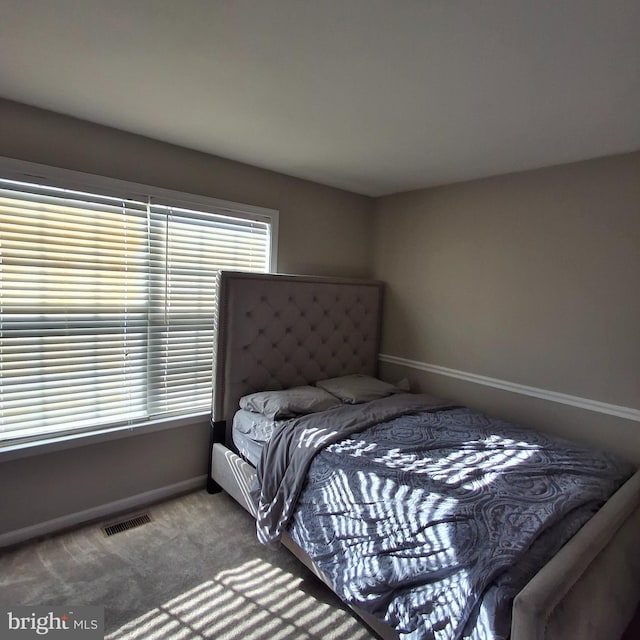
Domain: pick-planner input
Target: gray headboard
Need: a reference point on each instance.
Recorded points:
(279, 331)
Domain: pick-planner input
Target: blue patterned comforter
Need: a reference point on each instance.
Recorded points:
(433, 521)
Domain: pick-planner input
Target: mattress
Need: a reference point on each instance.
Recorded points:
(250, 431)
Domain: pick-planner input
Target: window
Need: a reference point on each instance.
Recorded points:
(107, 305)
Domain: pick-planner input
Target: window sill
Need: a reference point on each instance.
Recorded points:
(15, 451)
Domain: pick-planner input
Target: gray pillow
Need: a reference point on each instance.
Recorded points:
(357, 388)
(289, 402)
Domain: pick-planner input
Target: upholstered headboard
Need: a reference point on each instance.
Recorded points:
(279, 331)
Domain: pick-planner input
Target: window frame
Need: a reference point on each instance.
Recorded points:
(25, 171)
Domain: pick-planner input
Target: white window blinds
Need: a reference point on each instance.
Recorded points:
(107, 306)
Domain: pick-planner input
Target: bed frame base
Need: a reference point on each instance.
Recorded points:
(216, 435)
(590, 589)
(234, 475)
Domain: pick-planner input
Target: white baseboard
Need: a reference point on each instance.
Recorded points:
(101, 511)
(544, 394)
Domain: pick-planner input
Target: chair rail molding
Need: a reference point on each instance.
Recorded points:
(619, 411)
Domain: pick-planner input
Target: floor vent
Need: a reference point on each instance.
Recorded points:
(124, 525)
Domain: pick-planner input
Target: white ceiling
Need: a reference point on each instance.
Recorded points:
(373, 96)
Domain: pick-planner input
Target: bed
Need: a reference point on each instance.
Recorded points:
(277, 332)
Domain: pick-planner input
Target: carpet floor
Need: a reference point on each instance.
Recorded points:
(195, 571)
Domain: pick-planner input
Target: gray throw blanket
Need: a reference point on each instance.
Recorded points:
(285, 459)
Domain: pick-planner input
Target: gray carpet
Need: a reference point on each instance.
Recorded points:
(195, 571)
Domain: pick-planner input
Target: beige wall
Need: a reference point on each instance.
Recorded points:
(81, 482)
(533, 278)
(322, 230)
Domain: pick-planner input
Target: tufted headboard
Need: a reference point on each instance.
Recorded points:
(279, 331)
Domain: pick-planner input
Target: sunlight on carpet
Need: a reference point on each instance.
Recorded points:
(255, 601)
